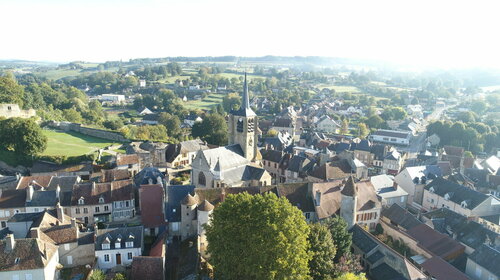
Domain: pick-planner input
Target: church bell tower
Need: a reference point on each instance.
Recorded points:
(242, 126)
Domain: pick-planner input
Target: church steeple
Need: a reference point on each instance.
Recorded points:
(245, 103)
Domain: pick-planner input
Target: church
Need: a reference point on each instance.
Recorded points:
(238, 163)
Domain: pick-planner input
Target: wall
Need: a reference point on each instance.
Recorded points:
(112, 257)
(36, 274)
(410, 242)
(99, 133)
(81, 254)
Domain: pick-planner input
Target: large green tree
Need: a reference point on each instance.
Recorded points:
(23, 136)
(212, 129)
(341, 237)
(322, 251)
(258, 237)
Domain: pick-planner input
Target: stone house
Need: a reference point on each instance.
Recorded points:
(327, 124)
(413, 180)
(29, 258)
(183, 154)
(13, 111)
(11, 203)
(152, 206)
(128, 162)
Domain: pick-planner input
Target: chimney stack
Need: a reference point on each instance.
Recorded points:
(58, 192)
(60, 213)
(35, 232)
(11, 243)
(395, 185)
(29, 194)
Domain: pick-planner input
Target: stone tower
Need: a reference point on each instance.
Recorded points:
(242, 126)
(348, 204)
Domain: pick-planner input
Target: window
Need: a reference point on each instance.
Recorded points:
(106, 258)
(118, 245)
(127, 203)
(101, 199)
(105, 246)
(129, 255)
(4, 225)
(66, 247)
(308, 215)
(81, 201)
(69, 260)
(201, 179)
(106, 208)
(85, 210)
(97, 209)
(129, 244)
(402, 199)
(77, 210)
(36, 209)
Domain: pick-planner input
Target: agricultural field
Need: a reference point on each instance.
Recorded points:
(72, 143)
(205, 104)
(57, 74)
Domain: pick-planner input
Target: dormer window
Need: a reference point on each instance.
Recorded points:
(463, 204)
(17, 260)
(129, 244)
(431, 189)
(101, 199)
(118, 245)
(105, 246)
(81, 201)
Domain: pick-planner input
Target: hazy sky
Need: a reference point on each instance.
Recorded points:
(446, 33)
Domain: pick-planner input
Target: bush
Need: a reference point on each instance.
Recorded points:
(379, 229)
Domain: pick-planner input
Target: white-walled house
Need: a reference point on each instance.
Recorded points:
(413, 180)
(391, 137)
(327, 124)
(118, 246)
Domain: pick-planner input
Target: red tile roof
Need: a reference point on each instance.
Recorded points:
(151, 201)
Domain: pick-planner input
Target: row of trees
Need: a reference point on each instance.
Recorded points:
(266, 237)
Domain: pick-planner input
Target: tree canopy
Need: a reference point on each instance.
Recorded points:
(258, 237)
(212, 129)
(322, 251)
(23, 136)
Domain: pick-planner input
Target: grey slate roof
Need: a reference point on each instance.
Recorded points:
(142, 178)
(361, 239)
(374, 257)
(385, 272)
(457, 193)
(174, 196)
(64, 182)
(125, 233)
(271, 155)
(400, 216)
(43, 198)
(487, 257)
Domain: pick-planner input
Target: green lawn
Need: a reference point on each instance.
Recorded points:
(72, 143)
(341, 89)
(206, 103)
(58, 73)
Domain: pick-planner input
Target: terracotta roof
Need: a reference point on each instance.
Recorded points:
(40, 180)
(440, 269)
(151, 201)
(61, 234)
(350, 188)
(30, 253)
(439, 244)
(331, 170)
(205, 206)
(12, 198)
(122, 190)
(127, 159)
(453, 150)
(91, 192)
(150, 268)
(110, 175)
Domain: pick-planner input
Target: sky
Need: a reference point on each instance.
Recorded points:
(442, 33)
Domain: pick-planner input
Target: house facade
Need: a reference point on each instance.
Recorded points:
(118, 246)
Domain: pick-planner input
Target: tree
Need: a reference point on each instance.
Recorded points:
(212, 129)
(341, 237)
(23, 136)
(344, 128)
(231, 101)
(322, 251)
(97, 274)
(375, 121)
(272, 133)
(113, 124)
(270, 231)
(10, 90)
(348, 263)
(352, 276)
(172, 123)
(119, 276)
(362, 130)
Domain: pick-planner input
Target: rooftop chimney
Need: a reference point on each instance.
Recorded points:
(317, 199)
(58, 192)
(11, 243)
(29, 193)
(60, 213)
(159, 181)
(35, 232)
(395, 185)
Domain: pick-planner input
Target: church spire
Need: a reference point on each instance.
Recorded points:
(245, 102)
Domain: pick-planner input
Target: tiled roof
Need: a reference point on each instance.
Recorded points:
(127, 159)
(297, 194)
(440, 269)
(349, 188)
(151, 201)
(64, 182)
(487, 257)
(397, 215)
(173, 205)
(332, 170)
(362, 240)
(12, 198)
(43, 198)
(457, 193)
(31, 254)
(147, 173)
(40, 180)
(437, 243)
(122, 190)
(109, 175)
(205, 206)
(271, 155)
(91, 192)
(385, 272)
(392, 133)
(150, 268)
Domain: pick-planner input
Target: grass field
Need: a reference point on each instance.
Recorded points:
(72, 143)
(58, 73)
(205, 104)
